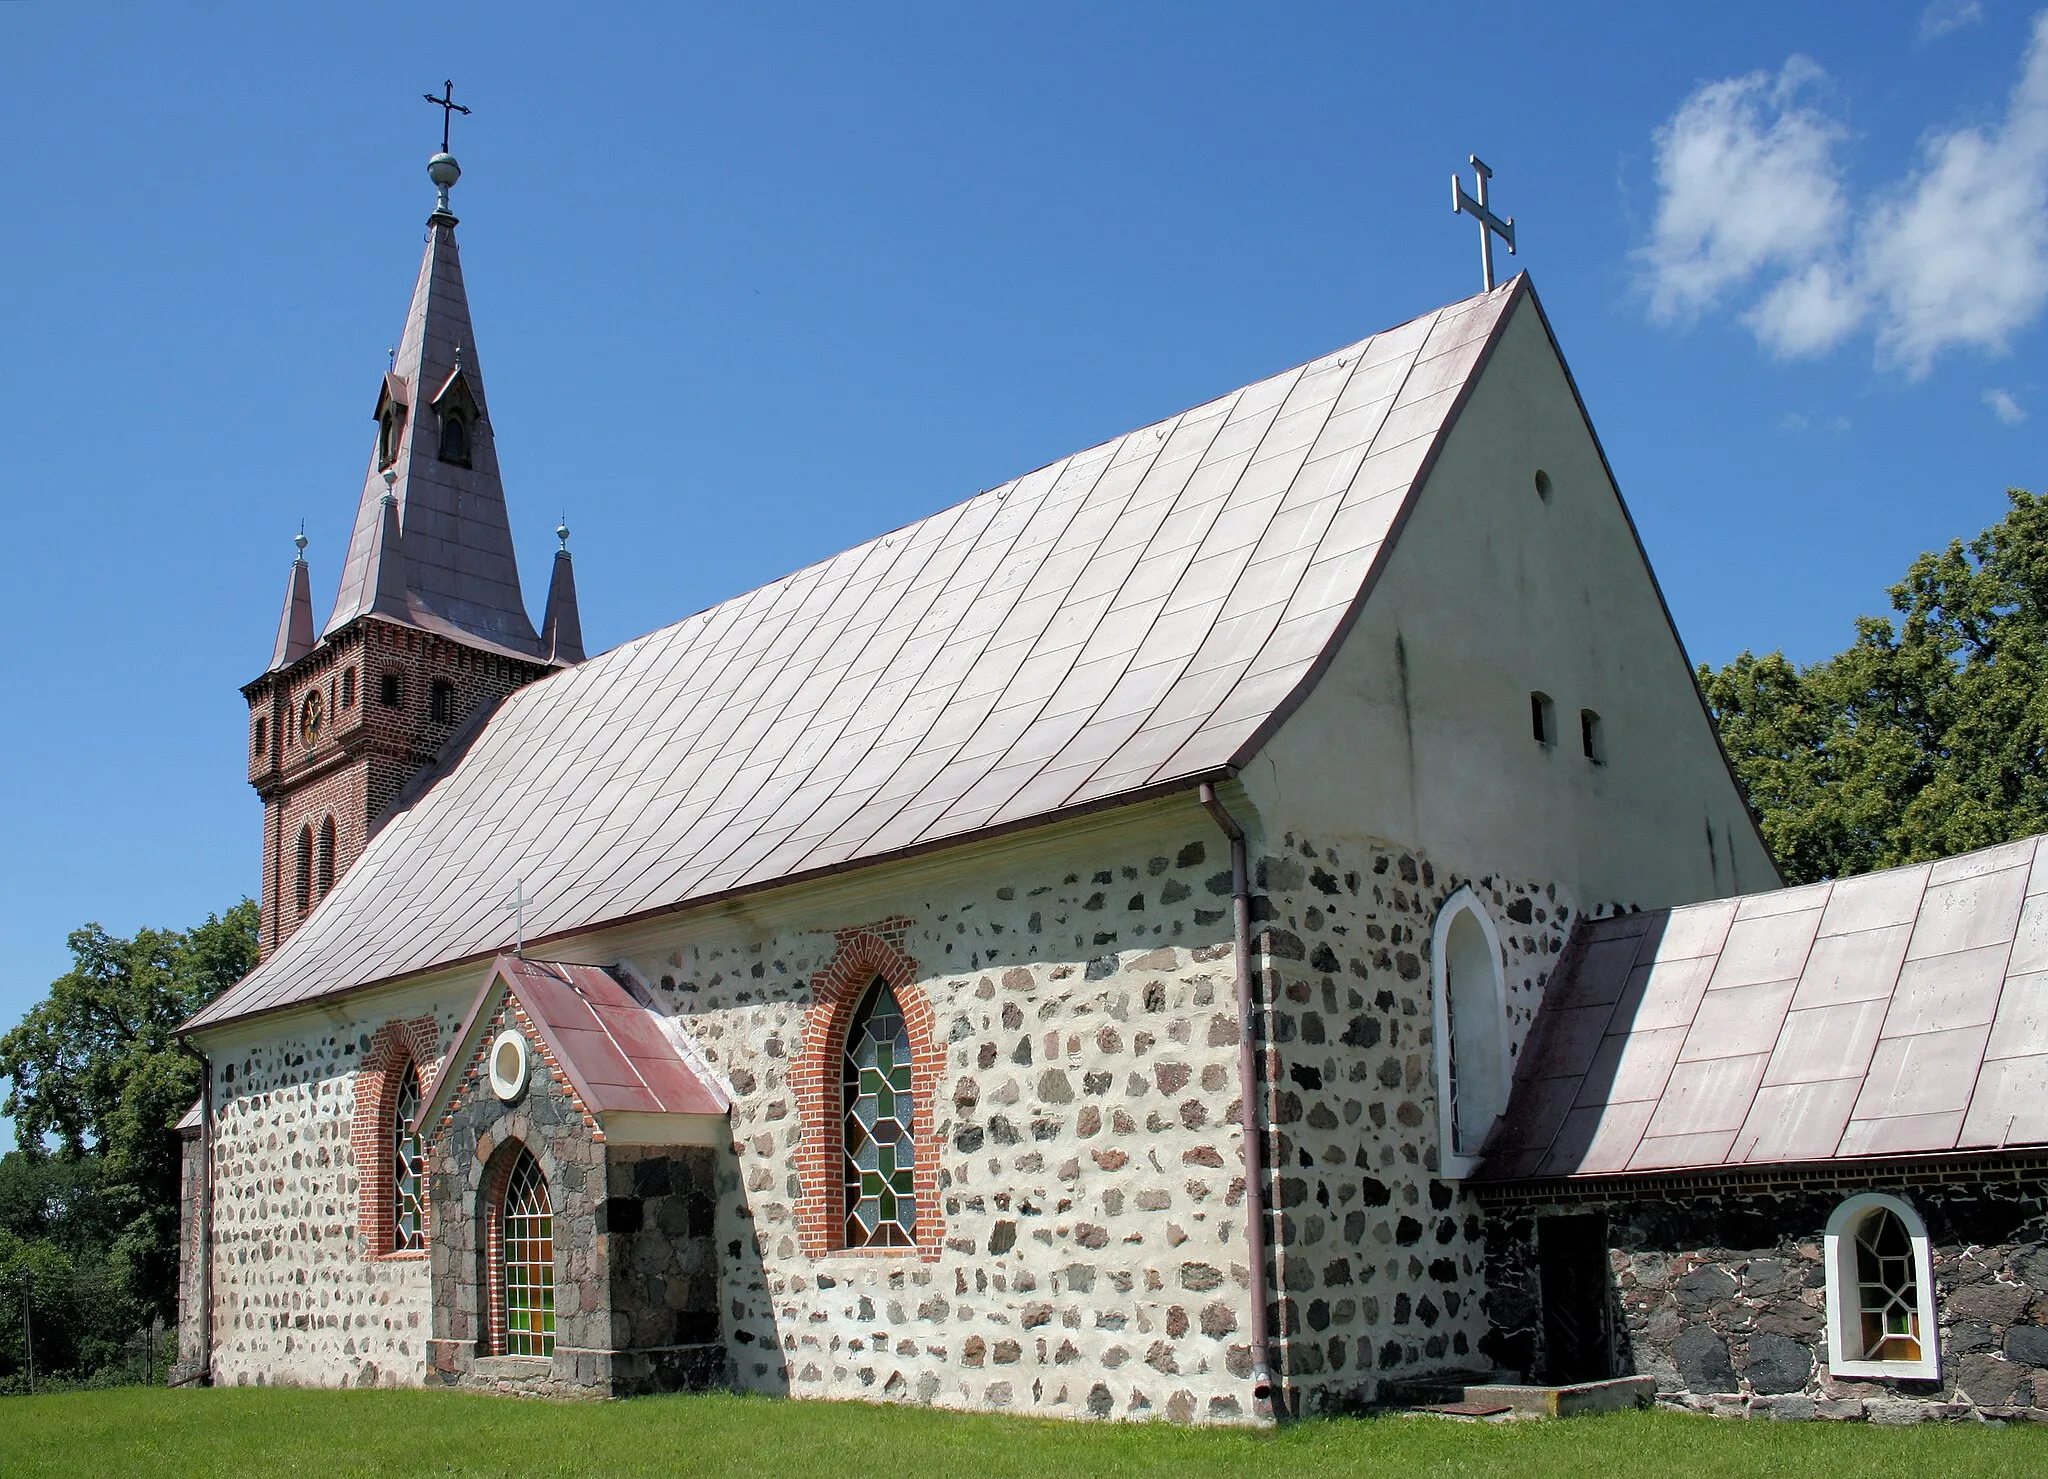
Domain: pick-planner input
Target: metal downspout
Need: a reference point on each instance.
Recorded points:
(206, 1220)
(1248, 1097)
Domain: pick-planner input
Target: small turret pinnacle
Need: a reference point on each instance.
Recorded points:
(561, 631)
(295, 626)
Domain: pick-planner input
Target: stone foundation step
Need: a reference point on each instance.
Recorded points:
(1613, 1395)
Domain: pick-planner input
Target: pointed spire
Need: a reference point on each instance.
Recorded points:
(387, 556)
(458, 575)
(295, 627)
(561, 633)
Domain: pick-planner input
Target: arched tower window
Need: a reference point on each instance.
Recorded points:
(305, 876)
(391, 426)
(1881, 1317)
(1470, 1018)
(408, 1162)
(323, 861)
(881, 1156)
(522, 1247)
(454, 439)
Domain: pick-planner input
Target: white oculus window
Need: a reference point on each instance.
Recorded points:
(1880, 1291)
(508, 1065)
(1469, 1010)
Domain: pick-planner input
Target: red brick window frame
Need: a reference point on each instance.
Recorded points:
(396, 1049)
(863, 955)
(495, 1337)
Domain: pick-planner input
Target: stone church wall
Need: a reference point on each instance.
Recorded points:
(1381, 1269)
(1718, 1289)
(1090, 1177)
(299, 1299)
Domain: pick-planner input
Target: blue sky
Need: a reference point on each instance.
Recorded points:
(753, 284)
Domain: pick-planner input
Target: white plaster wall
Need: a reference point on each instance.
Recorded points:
(1420, 730)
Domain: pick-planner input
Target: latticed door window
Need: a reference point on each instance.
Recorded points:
(1888, 1288)
(527, 1233)
(408, 1224)
(881, 1160)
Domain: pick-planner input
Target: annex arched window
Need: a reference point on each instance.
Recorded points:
(522, 1255)
(1470, 1019)
(408, 1166)
(1881, 1319)
(323, 861)
(305, 869)
(454, 438)
(880, 1110)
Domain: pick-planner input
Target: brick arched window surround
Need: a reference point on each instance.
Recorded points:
(505, 1158)
(397, 1049)
(864, 954)
(304, 879)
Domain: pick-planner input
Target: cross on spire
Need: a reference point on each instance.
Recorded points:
(1490, 225)
(449, 108)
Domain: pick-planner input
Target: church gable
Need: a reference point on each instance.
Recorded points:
(1513, 674)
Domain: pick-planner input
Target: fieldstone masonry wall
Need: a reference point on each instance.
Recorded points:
(1720, 1291)
(1088, 1173)
(1380, 1262)
(300, 1296)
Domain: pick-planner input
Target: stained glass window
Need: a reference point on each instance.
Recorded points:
(527, 1232)
(881, 1160)
(408, 1226)
(1888, 1288)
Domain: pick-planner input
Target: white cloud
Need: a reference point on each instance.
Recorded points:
(2008, 410)
(1748, 179)
(1955, 254)
(1943, 16)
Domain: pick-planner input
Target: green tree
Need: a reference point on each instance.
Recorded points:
(97, 1078)
(1927, 736)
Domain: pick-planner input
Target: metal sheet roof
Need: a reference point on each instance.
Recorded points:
(1903, 1012)
(612, 1049)
(1136, 615)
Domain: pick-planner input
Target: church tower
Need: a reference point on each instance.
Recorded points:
(429, 628)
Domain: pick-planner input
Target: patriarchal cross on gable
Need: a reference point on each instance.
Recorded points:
(1490, 225)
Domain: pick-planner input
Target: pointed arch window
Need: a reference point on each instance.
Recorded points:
(1470, 1021)
(455, 438)
(523, 1281)
(390, 431)
(323, 861)
(408, 1166)
(305, 871)
(880, 1110)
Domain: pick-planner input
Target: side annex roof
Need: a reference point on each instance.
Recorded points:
(1129, 620)
(1891, 1014)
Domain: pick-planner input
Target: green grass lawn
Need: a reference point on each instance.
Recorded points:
(270, 1432)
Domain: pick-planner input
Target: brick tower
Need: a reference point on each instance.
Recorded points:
(429, 628)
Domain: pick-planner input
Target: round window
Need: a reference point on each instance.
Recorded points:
(508, 1065)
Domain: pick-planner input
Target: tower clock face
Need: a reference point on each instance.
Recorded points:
(310, 715)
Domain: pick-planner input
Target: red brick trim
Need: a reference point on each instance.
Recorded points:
(863, 953)
(396, 1048)
(491, 1206)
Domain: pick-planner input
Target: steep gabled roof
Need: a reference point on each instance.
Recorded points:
(1896, 1013)
(1133, 618)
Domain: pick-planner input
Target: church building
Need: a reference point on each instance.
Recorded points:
(1219, 927)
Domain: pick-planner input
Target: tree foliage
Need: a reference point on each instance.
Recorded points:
(97, 1079)
(1927, 736)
